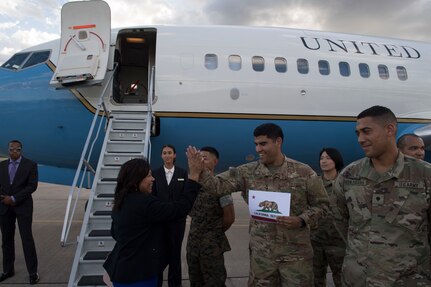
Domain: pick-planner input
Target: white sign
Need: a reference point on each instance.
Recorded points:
(267, 205)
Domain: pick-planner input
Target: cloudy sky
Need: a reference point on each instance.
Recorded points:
(24, 23)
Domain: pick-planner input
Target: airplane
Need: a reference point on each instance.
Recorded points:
(212, 86)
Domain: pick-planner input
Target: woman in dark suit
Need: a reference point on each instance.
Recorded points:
(137, 221)
(169, 186)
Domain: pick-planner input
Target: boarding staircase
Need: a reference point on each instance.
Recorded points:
(127, 136)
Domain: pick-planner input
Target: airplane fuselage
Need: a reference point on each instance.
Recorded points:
(213, 85)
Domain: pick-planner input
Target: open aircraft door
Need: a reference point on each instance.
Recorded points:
(85, 40)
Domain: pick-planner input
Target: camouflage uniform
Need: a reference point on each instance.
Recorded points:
(278, 255)
(328, 241)
(207, 241)
(389, 223)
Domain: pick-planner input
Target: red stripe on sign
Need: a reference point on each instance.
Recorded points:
(84, 26)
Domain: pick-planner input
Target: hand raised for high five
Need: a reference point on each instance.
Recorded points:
(196, 163)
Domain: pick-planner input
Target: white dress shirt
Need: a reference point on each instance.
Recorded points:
(169, 173)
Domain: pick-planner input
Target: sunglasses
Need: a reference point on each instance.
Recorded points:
(15, 149)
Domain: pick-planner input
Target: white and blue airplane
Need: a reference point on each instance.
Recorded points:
(212, 84)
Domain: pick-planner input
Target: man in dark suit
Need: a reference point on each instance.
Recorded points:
(18, 180)
(169, 183)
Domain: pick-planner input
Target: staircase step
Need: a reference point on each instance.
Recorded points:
(105, 195)
(129, 116)
(125, 146)
(106, 187)
(100, 233)
(102, 213)
(124, 135)
(109, 172)
(108, 179)
(96, 255)
(91, 280)
(130, 125)
(102, 204)
(119, 159)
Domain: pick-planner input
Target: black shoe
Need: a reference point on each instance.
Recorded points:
(5, 276)
(34, 278)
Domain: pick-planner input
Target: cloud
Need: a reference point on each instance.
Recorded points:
(8, 25)
(22, 39)
(32, 37)
(395, 18)
(30, 22)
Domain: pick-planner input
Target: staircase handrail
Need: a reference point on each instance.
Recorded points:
(147, 149)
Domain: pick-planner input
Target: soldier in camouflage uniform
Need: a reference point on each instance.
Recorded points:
(211, 215)
(280, 253)
(329, 238)
(386, 197)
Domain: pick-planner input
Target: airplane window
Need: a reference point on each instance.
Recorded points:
(16, 61)
(383, 72)
(302, 66)
(258, 63)
(280, 64)
(37, 58)
(364, 70)
(344, 69)
(235, 62)
(402, 73)
(324, 67)
(211, 61)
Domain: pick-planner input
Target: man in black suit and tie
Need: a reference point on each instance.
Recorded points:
(18, 180)
(169, 182)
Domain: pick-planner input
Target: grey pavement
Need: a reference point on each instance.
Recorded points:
(55, 261)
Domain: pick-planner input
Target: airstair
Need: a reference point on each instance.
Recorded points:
(127, 136)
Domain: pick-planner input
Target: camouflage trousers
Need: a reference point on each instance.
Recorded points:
(325, 254)
(359, 275)
(206, 265)
(267, 272)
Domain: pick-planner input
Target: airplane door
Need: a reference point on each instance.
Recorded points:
(85, 40)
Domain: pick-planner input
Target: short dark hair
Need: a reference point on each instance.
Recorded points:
(378, 112)
(130, 175)
(16, 141)
(335, 155)
(211, 150)
(269, 130)
(401, 143)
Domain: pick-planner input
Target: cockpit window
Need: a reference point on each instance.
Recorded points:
(25, 60)
(16, 61)
(37, 58)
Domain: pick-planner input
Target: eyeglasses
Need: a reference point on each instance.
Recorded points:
(15, 149)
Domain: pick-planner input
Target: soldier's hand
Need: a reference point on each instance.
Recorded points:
(291, 222)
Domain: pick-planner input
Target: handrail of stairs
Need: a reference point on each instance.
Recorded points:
(147, 146)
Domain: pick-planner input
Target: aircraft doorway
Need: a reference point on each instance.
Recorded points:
(135, 55)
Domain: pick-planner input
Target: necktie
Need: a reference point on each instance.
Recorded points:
(12, 171)
(169, 176)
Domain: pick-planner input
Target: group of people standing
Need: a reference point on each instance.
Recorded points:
(370, 222)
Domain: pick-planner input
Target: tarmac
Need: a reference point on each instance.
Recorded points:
(55, 261)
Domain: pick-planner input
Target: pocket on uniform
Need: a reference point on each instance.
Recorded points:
(357, 205)
(410, 209)
(413, 212)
